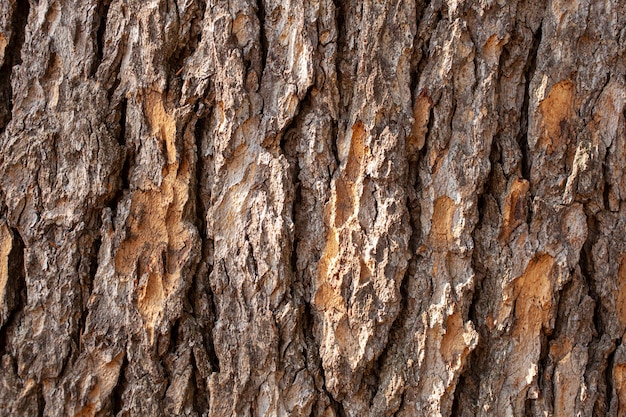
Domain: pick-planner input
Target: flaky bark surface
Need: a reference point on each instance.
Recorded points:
(312, 208)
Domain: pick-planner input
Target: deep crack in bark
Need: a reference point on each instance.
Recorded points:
(529, 72)
(12, 57)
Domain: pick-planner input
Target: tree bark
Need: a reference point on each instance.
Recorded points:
(312, 208)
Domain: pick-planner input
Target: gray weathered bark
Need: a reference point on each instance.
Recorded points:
(312, 208)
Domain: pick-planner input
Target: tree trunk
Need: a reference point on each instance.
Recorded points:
(312, 208)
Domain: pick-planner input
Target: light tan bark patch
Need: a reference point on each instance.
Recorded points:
(6, 244)
(513, 211)
(441, 226)
(556, 111)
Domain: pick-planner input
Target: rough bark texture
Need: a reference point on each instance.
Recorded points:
(312, 208)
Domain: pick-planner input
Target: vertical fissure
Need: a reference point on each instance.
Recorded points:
(201, 194)
(263, 42)
(465, 385)
(121, 137)
(606, 190)
(200, 281)
(123, 177)
(117, 400)
(15, 288)
(41, 402)
(529, 72)
(93, 259)
(587, 271)
(93, 270)
(606, 185)
(297, 202)
(347, 16)
(334, 134)
(199, 390)
(185, 47)
(336, 406)
(544, 369)
(188, 45)
(12, 58)
(100, 24)
(607, 352)
(467, 390)
(209, 344)
(608, 377)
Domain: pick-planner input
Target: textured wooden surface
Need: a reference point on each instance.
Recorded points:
(312, 208)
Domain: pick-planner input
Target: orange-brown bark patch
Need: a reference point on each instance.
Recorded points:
(556, 111)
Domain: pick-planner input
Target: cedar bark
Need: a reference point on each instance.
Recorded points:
(312, 208)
